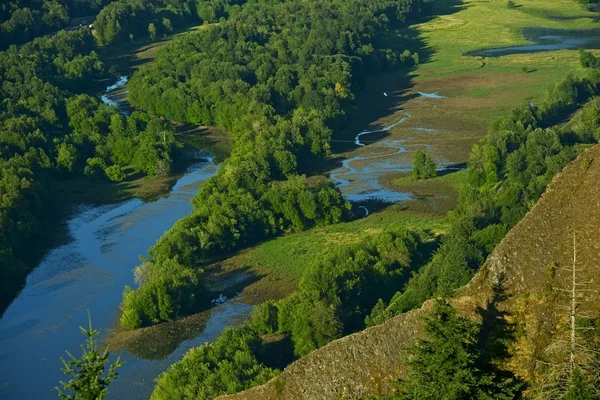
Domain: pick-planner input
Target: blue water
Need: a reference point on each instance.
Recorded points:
(89, 273)
(547, 40)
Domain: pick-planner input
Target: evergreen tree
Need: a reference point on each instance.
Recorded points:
(444, 366)
(580, 388)
(88, 382)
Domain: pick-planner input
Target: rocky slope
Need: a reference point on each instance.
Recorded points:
(516, 294)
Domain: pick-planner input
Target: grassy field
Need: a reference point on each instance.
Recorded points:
(474, 97)
(476, 91)
(279, 263)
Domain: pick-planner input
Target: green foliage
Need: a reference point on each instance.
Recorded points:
(88, 382)
(444, 366)
(228, 365)
(339, 290)
(511, 4)
(580, 388)
(279, 86)
(423, 166)
(114, 173)
(130, 19)
(264, 318)
(162, 298)
(587, 59)
(23, 20)
(152, 31)
(508, 172)
(95, 167)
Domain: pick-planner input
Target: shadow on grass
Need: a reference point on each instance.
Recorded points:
(379, 95)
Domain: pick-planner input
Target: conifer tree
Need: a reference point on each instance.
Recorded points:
(580, 388)
(88, 382)
(443, 367)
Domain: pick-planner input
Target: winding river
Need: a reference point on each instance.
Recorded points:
(89, 273)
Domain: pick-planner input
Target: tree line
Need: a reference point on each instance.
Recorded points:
(279, 76)
(508, 172)
(23, 20)
(134, 19)
(336, 293)
(47, 130)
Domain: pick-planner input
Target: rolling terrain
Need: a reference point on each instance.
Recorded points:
(513, 294)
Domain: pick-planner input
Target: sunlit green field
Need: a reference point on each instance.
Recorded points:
(476, 95)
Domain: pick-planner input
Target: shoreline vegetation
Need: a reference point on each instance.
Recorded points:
(528, 144)
(86, 68)
(277, 91)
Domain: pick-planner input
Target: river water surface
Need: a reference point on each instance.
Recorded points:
(89, 273)
(547, 40)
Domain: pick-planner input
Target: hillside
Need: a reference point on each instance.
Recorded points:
(514, 293)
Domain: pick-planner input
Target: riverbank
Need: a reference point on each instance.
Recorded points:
(470, 92)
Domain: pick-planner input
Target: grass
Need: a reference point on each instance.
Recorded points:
(128, 56)
(288, 256)
(475, 95)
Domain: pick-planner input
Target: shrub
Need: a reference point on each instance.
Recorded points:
(163, 297)
(114, 173)
(587, 60)
(95, 167)
(264, 317)
(228, 365)
(423, 166)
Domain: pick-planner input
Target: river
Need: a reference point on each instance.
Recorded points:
(547, 40)
(89, 273)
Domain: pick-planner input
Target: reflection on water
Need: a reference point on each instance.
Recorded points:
(547, 40)
(90, 273)
(361, 183)
(136, 377)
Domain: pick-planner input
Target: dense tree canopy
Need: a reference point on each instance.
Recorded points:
(23, 20)
(48, 130)
(278, 76)
(508, 172)
(228, 365)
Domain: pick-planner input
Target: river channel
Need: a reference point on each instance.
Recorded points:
(547, 40)
(89, 273)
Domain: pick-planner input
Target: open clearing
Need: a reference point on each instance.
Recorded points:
(471, 91)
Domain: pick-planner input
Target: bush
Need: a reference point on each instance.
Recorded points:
(423, 166)
(229, 365)
(114, 173)
(163, 297)
(511, 4)
(95, 167)
(587, 60)
(264, 318)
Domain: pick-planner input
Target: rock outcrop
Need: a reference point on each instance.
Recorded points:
(515, 290)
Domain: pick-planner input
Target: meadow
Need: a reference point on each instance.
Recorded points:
(474, 96)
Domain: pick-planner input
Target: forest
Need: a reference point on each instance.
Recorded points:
(279, 77)
(267, 76)
(24, 20)
(50, 128)
(354, 287)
